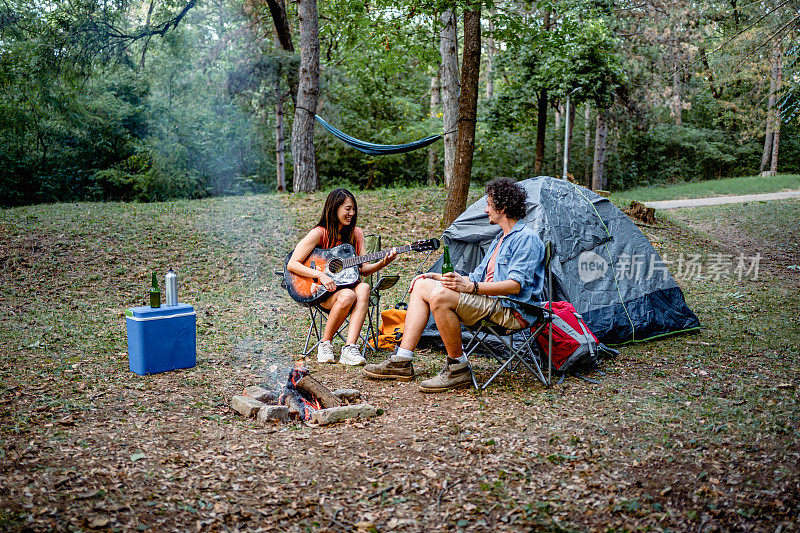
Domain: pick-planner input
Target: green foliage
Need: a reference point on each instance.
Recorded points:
(93, 108)
(666, 152)
(80, 119)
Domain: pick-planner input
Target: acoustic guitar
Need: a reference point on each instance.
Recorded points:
(341, 264)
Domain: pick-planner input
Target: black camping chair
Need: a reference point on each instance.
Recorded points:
(318, 316)
(378, 283)
(517, 346)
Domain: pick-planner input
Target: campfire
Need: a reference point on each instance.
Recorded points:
(301, 398)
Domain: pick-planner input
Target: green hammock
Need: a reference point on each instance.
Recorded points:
(378, 149)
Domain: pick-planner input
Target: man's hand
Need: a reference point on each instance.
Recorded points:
(456, 282)
(451, 280)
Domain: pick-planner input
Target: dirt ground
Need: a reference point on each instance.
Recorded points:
(695, 432)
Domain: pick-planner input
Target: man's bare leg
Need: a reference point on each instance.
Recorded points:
(443, 305)
(417, 313)
(428, 295)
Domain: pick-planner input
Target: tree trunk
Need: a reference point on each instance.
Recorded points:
(715, 92)
(541, 129)
(279, 138)
(598, 175)
(570, 124)
(676, 90)
(450, 91)
(305, 163)
(467, 114)
(587, 145)
(433, 159)
(768, 135)
(147, 40)
(541, 115)
(776, 125)
(283, 36)
(490, 53)
(558, 114)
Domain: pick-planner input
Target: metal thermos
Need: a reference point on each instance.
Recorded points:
(171, 288)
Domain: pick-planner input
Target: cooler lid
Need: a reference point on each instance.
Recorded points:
(159, 312)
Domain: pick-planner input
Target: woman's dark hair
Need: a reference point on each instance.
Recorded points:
(507, 197)
(330, 221)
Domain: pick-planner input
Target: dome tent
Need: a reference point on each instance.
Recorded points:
(602, 263)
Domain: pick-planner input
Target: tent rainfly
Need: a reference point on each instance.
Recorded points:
(602, 264)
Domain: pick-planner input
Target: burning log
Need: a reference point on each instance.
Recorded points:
(311, 388)
(297, 404)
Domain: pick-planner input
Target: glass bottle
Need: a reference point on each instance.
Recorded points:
(447, 266)
(155, 294)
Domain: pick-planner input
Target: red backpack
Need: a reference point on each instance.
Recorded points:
(573, 341)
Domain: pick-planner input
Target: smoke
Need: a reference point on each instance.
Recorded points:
(252, 233)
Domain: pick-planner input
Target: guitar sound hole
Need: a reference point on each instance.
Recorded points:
(335, 266)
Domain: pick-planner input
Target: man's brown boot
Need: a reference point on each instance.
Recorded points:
(399, 370)
(452, 376)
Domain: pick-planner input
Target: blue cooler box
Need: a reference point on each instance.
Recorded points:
(161, 338)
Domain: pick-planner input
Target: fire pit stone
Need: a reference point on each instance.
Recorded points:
(332, 415)
(350, 395)
(273, 413)
(261, 394)
(246, 406)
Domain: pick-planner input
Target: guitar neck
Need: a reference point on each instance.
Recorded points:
(375, 256)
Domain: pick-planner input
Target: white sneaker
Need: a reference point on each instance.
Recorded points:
(325, 352)
(351, 355)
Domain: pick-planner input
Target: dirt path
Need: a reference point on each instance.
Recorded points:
(721, 200)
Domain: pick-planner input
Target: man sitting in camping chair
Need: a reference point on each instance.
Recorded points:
(513, 267)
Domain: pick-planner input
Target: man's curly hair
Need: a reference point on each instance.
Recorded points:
(507, 197)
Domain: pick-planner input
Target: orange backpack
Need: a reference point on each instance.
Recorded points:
(391, 329)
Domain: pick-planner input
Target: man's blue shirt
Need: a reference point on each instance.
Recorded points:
(521, 258)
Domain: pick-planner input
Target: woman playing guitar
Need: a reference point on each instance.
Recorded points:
(337, 225)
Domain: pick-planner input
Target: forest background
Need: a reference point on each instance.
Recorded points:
(155, 99)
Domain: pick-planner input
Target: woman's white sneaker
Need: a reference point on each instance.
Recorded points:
(325, 352)
(352, 356)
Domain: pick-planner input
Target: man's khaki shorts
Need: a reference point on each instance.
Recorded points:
(474, 307)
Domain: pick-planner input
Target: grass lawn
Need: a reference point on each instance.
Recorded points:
(706, 188)
(694, 432)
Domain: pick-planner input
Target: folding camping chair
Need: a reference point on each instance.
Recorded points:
(378, 283)
(513, 353)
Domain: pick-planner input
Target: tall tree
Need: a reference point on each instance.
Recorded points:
(450, 90)
(778, 75)
(587, 143)
(598, 169)
(283, 37)
(769, 159)
(305, 177)
(491, 51)
(283, 40)
(467, 114)
(436, 95)
(541, 112)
